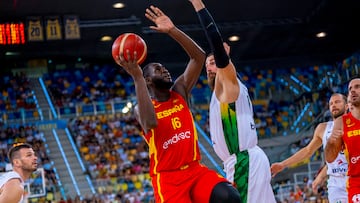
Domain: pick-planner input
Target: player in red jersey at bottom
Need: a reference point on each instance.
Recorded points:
(168, 125)
(346, 136)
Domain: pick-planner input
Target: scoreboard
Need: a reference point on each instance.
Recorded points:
(12, 33)
(40, 29)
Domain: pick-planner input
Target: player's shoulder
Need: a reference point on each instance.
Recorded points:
(322, 125)
(15, 181)
(14, 185)
(320, 128)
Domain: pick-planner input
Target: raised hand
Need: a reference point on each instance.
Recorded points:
(131, 66)
(162, 21)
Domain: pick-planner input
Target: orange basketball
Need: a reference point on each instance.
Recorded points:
(131, 42)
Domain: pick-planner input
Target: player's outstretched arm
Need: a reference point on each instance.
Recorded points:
(303, 153)
(188, 79)
(226, 84)
(144, 105)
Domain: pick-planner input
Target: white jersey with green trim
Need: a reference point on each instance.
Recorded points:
(234, 137)
(232, 124)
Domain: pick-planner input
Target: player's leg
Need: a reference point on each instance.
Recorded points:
(211, 187)
(259, 177)
(224, 192)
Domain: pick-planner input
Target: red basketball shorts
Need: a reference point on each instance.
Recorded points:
(193, 183)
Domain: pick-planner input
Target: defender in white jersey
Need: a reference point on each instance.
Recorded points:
(336, 170)
(232, 126)
(24, 163)
(13, 176)
(234, 137)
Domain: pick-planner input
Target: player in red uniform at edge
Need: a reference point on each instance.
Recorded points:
(163, 112)
(346, 135)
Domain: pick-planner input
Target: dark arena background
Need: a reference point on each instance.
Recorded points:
(62, 92)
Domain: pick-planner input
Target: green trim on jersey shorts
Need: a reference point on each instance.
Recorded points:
(229, 122)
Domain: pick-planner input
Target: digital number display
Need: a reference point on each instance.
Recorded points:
(12, 33)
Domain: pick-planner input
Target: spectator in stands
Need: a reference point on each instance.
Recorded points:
(345, 137)
(232, 126)
(167, 122)
(337, 169)
(294, 148)
(24, 163)
(297, 195)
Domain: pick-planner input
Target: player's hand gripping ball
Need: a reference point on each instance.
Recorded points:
(131, 42)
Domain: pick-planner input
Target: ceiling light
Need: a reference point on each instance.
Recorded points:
(321, 34)
(118, 5)
(10, 53)
(234, 38)
(106, 38)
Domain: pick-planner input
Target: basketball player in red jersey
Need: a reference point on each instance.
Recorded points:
(168, 125)
(346, 135)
